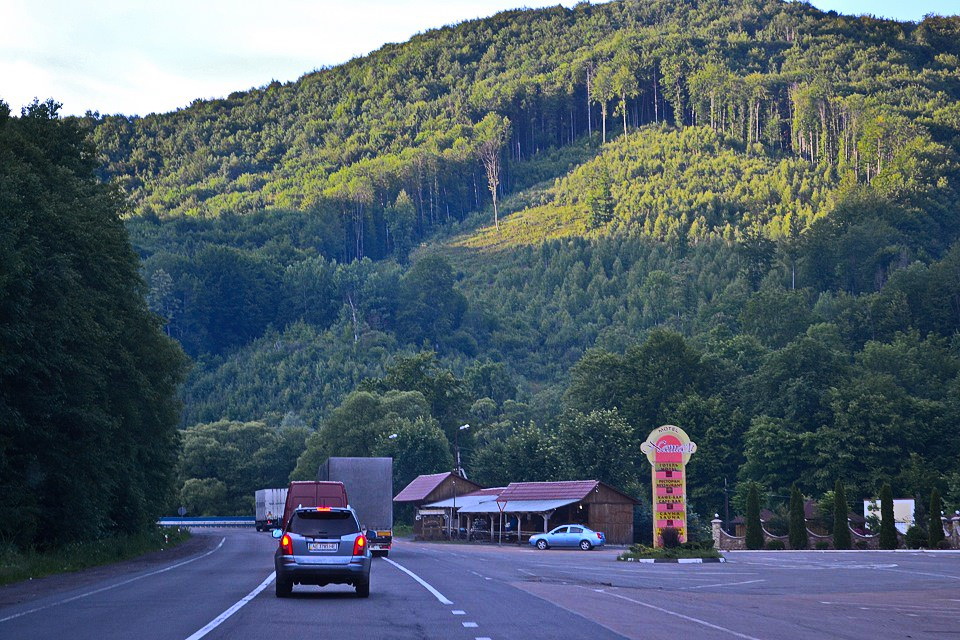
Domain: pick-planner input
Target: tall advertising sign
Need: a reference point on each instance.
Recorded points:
(668, 449)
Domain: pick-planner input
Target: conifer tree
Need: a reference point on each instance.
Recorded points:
(841, 530)
(798, 525)
(888, 529)
(935, 529)
(754, 527)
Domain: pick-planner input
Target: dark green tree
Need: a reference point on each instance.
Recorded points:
(600, 199)
(88, 379)
(888, 526)
(841, 511)
(935, 529)
(754, 526)
(798, 524)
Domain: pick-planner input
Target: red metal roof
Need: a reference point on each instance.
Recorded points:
(567, 490)
(421, 487)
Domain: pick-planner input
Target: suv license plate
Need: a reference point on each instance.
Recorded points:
(322, 546)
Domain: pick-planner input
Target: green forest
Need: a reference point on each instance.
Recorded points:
(563, 227)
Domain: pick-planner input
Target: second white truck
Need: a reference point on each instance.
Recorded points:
(270, 504)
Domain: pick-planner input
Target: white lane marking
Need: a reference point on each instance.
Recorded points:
(459, 612)
(436, 594)
(470, 625)
(483, 638)
(921, 573)
(891, 606)
(114, 586)
(216, 622)
(678, 615)
(722, 584)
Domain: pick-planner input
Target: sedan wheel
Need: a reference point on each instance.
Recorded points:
(363, 589)
(284, 588)
(585, 545)
(541, 544)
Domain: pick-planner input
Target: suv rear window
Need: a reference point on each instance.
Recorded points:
(323, 524)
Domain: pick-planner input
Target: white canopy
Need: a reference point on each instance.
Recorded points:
(517, 506)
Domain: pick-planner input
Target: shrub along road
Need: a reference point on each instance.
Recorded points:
(482, 591)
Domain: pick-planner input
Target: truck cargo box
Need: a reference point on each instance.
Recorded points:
(369, 485)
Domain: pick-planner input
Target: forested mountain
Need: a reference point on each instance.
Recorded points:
(739, 216)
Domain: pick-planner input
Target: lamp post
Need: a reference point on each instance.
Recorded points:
(456, 448)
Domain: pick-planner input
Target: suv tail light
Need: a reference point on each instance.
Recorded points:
(360, 545)
(287, 545)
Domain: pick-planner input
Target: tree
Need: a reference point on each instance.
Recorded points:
(600, 198)
(935, 530)
(754, 526)
(888, 526)
(491, 134)
(841, 511)
(603, 92)
(88, 380)
(597, 445)
(798, 524)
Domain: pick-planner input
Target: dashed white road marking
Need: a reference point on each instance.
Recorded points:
(436, 594)
(114, 586)
(459, 612)
(470, 625)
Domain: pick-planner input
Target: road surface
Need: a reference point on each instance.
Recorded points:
(222, 587)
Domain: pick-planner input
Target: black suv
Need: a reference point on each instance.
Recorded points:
(322, 545)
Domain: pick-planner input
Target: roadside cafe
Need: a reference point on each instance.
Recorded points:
(521, 509)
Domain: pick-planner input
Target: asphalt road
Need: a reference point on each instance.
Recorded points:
(479, 591)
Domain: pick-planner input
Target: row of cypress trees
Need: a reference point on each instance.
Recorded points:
(798, 535)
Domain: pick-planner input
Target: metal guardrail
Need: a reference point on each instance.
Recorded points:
(212, 521)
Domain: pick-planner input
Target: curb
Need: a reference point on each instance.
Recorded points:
(676, 560)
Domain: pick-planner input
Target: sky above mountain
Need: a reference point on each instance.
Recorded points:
(139, 57)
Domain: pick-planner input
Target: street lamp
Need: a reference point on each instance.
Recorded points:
(456, 448)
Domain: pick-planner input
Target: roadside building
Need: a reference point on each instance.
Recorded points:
(430, 522)
(525, 508)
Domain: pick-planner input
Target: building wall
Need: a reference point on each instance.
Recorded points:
(612, 513)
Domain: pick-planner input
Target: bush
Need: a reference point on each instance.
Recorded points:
(821, 545)
(862, 545)
(702, 545)
(916, 538)
(671, 538)
(944, 544)
(776, 545)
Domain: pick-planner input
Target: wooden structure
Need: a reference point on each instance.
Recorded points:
(432, 488)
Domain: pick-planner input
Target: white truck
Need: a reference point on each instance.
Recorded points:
(270, 503)
(369, 485)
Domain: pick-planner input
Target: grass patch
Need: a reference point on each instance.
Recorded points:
(402, 530)
(686, 550)
(17, 565)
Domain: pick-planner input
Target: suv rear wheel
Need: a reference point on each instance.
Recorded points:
(363, 589)
(284, 588)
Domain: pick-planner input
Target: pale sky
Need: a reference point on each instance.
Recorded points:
(145, 56)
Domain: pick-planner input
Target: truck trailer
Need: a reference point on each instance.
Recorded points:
(369, 485)
(308, 493)
(270, 503)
